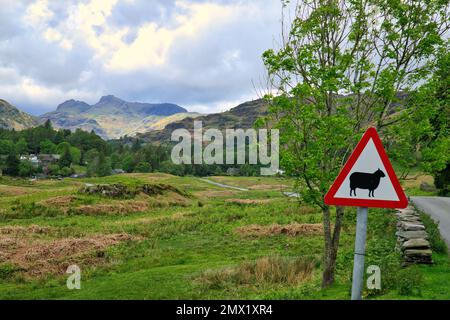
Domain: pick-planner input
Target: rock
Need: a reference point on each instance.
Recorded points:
(411, 219)
(417, 253)
(427, 187)
(411, 226)
(408, 210)
(416, 244)
(412, 234)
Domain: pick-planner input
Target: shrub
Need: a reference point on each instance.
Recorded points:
(7, 271)
(30, 210)
(409, 281)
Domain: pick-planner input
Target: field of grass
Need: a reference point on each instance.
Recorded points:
(204, 242)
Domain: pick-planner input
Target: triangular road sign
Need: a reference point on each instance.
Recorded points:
(367, 179)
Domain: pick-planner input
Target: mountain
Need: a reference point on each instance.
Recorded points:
(112, 117)
(241, 117)
(13, 118)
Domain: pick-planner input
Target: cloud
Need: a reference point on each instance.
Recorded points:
(200, 54)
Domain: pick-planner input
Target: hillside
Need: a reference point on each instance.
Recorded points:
(112, 117)
(241, 117)
(13, 118)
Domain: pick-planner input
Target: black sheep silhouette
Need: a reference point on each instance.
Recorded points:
(364, 180)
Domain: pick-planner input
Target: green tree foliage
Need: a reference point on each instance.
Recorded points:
(66, 158)
(143, 167)
(75, 153)
(26, 168)
(47, 147)
(22, 146)
(128, 163)
(12, 165)
(6, 147)
(341, 67)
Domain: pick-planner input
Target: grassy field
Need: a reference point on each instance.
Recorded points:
(196, 241)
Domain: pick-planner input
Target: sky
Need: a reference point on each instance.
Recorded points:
(204, 55)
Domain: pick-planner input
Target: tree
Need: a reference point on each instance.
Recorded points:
(48, 125)
(75, 153)
(116, 161)
(143, 167)
(26, 168)
(340, 68)
(128, 163)
(104, 166)
(66, 158)
(6, 147)
(47, 147)
(22, 146)
(12, 165)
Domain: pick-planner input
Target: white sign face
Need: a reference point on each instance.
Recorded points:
(368, 178)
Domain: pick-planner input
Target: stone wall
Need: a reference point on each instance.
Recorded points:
(412, 238)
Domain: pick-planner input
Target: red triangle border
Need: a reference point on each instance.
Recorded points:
(330, 199)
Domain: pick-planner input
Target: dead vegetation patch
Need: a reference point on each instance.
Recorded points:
(117, 207)
(293, 229)
(15, 191)
(249, 201)
(38, 258)
(20, 230)
(141, 204)
(59, 201)
(266, 270)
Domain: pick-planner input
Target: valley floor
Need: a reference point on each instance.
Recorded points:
(204, 242)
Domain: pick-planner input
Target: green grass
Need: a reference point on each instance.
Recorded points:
(176, 245)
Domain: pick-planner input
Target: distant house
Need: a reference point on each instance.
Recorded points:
(117, 171)
(47, 159)
(32, 158)
(233, 171)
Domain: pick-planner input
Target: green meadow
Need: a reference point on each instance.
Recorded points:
(195, 241)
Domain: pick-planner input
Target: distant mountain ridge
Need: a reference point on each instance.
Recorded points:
(243, 116)
(13, 118)
(112, 117)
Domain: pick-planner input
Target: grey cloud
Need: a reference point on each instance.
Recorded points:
(197, 71)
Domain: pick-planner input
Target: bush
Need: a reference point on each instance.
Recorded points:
(26, 168)
(30, 210)
(410, 281)
(7, 271)
(65, 172)
(143, 167)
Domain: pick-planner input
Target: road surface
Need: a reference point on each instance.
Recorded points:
(439, 209)
(223, 185)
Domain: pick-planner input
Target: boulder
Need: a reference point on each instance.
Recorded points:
(408, 210)
(411, 226)
(416, 244)
(427, 187)
(417, 253)
(412, 234)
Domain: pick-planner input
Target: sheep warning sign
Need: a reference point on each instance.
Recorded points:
(367, 179)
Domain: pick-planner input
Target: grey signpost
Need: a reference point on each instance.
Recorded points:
(360, 250)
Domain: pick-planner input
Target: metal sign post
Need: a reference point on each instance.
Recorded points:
(360, 250)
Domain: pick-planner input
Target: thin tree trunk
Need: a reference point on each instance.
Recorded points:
(331, 244)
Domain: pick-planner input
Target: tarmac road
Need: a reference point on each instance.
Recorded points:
(439, 209)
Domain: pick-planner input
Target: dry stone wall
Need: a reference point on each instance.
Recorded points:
(412, 238)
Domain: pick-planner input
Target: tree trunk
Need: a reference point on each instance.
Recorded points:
(331, 244)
